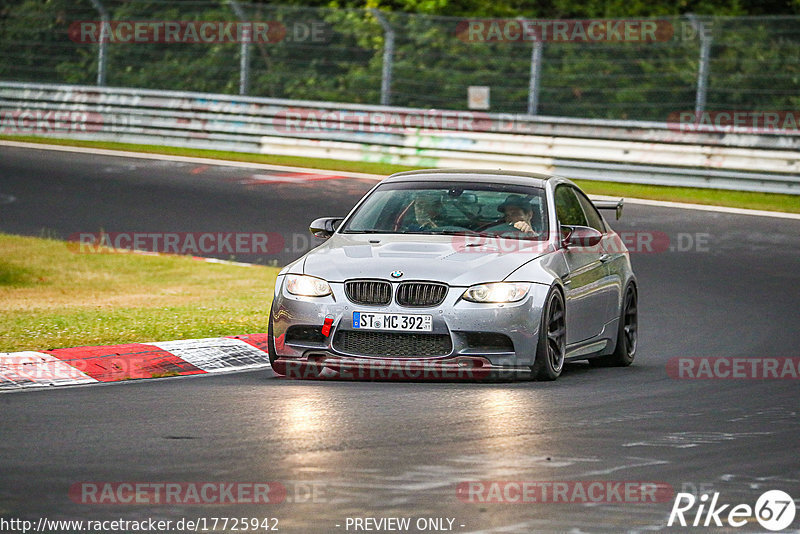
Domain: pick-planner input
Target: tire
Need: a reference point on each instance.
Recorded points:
(552, 346)
(627, 333)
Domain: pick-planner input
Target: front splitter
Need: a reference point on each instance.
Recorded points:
(456, 368)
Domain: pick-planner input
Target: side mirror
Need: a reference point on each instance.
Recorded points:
(580, 236)
(324, 226)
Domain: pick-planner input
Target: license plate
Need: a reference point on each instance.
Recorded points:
(392, 321)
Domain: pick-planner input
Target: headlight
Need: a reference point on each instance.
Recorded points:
(307, 286)
(497, 292)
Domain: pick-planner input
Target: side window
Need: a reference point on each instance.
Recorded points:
(568, 208)
(592, 215)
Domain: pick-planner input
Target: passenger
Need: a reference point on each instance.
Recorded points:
(518, 216)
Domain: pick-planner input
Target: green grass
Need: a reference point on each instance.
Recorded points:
(714, 197)
(693, 195)
(52, 297)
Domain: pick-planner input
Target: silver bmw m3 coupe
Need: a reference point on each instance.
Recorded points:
(458, 274)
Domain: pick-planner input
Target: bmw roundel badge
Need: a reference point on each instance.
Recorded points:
(397, 274)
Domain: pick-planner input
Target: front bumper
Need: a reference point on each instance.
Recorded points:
(462, 321)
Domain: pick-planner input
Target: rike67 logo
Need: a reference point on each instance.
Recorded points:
(774, 510)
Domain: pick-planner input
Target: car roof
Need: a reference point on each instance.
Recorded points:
(473, 175)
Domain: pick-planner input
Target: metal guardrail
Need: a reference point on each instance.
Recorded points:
(621, 151)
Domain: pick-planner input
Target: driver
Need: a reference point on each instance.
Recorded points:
(518, 215)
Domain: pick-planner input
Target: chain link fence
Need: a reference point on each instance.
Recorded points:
(644, 69)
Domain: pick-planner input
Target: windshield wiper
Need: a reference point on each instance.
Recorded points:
(367, 232)
(456, 232)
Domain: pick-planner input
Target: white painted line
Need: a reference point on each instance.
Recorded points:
(376, 177)
(282, 178)
(36, 369)
(645, 462)
(226, 262)
(199, 258)
(216, 354)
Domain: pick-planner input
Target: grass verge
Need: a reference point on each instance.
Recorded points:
(51, 297)
(713, 197)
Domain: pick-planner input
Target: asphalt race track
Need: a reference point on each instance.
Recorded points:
(56, 199)
(728, 287)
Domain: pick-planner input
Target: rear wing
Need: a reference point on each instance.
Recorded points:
(615, 205)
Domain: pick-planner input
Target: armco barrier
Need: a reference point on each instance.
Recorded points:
(621, 151)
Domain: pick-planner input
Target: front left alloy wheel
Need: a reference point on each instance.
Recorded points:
(552, 345)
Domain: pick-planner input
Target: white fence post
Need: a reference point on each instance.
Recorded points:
(105, 24)
(704, 32)
(536, 74)
(388, 57)
(244, 50)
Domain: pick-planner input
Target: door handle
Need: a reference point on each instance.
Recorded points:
(606, 257)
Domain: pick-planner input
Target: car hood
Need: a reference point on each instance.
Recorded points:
(455, 260)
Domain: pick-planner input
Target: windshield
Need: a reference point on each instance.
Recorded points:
(509, 211)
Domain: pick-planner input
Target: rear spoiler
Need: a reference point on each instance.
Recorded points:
(615, 205)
